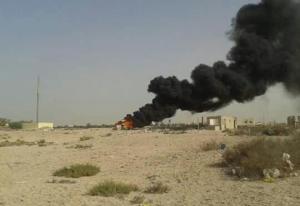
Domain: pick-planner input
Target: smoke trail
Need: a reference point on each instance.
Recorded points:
(266, 51)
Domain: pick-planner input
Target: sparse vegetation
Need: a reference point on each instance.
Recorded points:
(80, 146)
(4, 122)
(77, 170)
(252, 157)
(84, 138)
(43, 143)
(18, 142)
(275, 130)
(15, 125)
(107, 135)
(63, 181)
(174, 131)
(87, 126)
(111, 188)
(4, 136)
(137, 199)
(209, 146)
(157, 188)
(176, 127)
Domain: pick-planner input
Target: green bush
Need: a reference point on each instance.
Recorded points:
(77, 170)
(111, 188)
(15, 125)
(3, 122)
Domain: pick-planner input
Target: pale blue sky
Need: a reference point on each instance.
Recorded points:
(96, 57)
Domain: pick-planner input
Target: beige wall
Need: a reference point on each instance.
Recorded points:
(228, 123)
(48, 125)
(40, 125)
(29, 125)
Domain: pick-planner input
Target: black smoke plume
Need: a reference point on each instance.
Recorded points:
(266, 52)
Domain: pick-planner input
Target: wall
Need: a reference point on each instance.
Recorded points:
(40, 125)
(228, 123)
(29, 125)
(43, 125)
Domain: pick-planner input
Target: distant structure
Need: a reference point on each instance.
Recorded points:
(293, 121)
(248, 122)
(37, 99)
(37, 124)
(220, 123)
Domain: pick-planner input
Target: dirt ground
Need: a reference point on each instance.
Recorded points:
(137, 157)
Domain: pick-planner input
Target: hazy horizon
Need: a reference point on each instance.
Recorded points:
(96, 58)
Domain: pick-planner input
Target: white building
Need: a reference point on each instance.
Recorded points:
(221, 122)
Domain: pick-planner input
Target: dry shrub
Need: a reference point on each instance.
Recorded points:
(77, 170)
(157, 188)
(275, 130)
(262, 153)
(85, 138)
(16, 143)
(80, 146)
(107, 135)
(4, 136)
(209, 146)
(111, 188)
(63, 181)
(43, 143)
(137, 200)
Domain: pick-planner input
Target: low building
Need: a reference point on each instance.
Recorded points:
(221, 122)
(40, 125)
(293, 121)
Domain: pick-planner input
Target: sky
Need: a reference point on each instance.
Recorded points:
(95, 58)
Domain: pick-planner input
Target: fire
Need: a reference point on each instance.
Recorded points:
(126, 123)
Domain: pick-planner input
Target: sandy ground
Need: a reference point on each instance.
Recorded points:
(132, 157)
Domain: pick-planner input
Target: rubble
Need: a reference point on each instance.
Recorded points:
(271, 173)
(288, 165)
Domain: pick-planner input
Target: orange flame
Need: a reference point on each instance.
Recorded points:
(126, 123)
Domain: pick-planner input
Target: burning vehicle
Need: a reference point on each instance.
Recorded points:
(126, 123)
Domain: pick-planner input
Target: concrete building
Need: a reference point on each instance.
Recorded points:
(221, 122)
(248, 122)
(293, 121)
(34, 125)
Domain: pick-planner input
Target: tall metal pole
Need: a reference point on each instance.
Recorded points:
(37, 99)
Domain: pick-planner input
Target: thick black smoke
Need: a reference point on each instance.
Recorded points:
(266, 51)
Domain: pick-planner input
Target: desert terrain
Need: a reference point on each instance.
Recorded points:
(136, 157)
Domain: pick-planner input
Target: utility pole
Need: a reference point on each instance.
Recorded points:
(37, 99)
